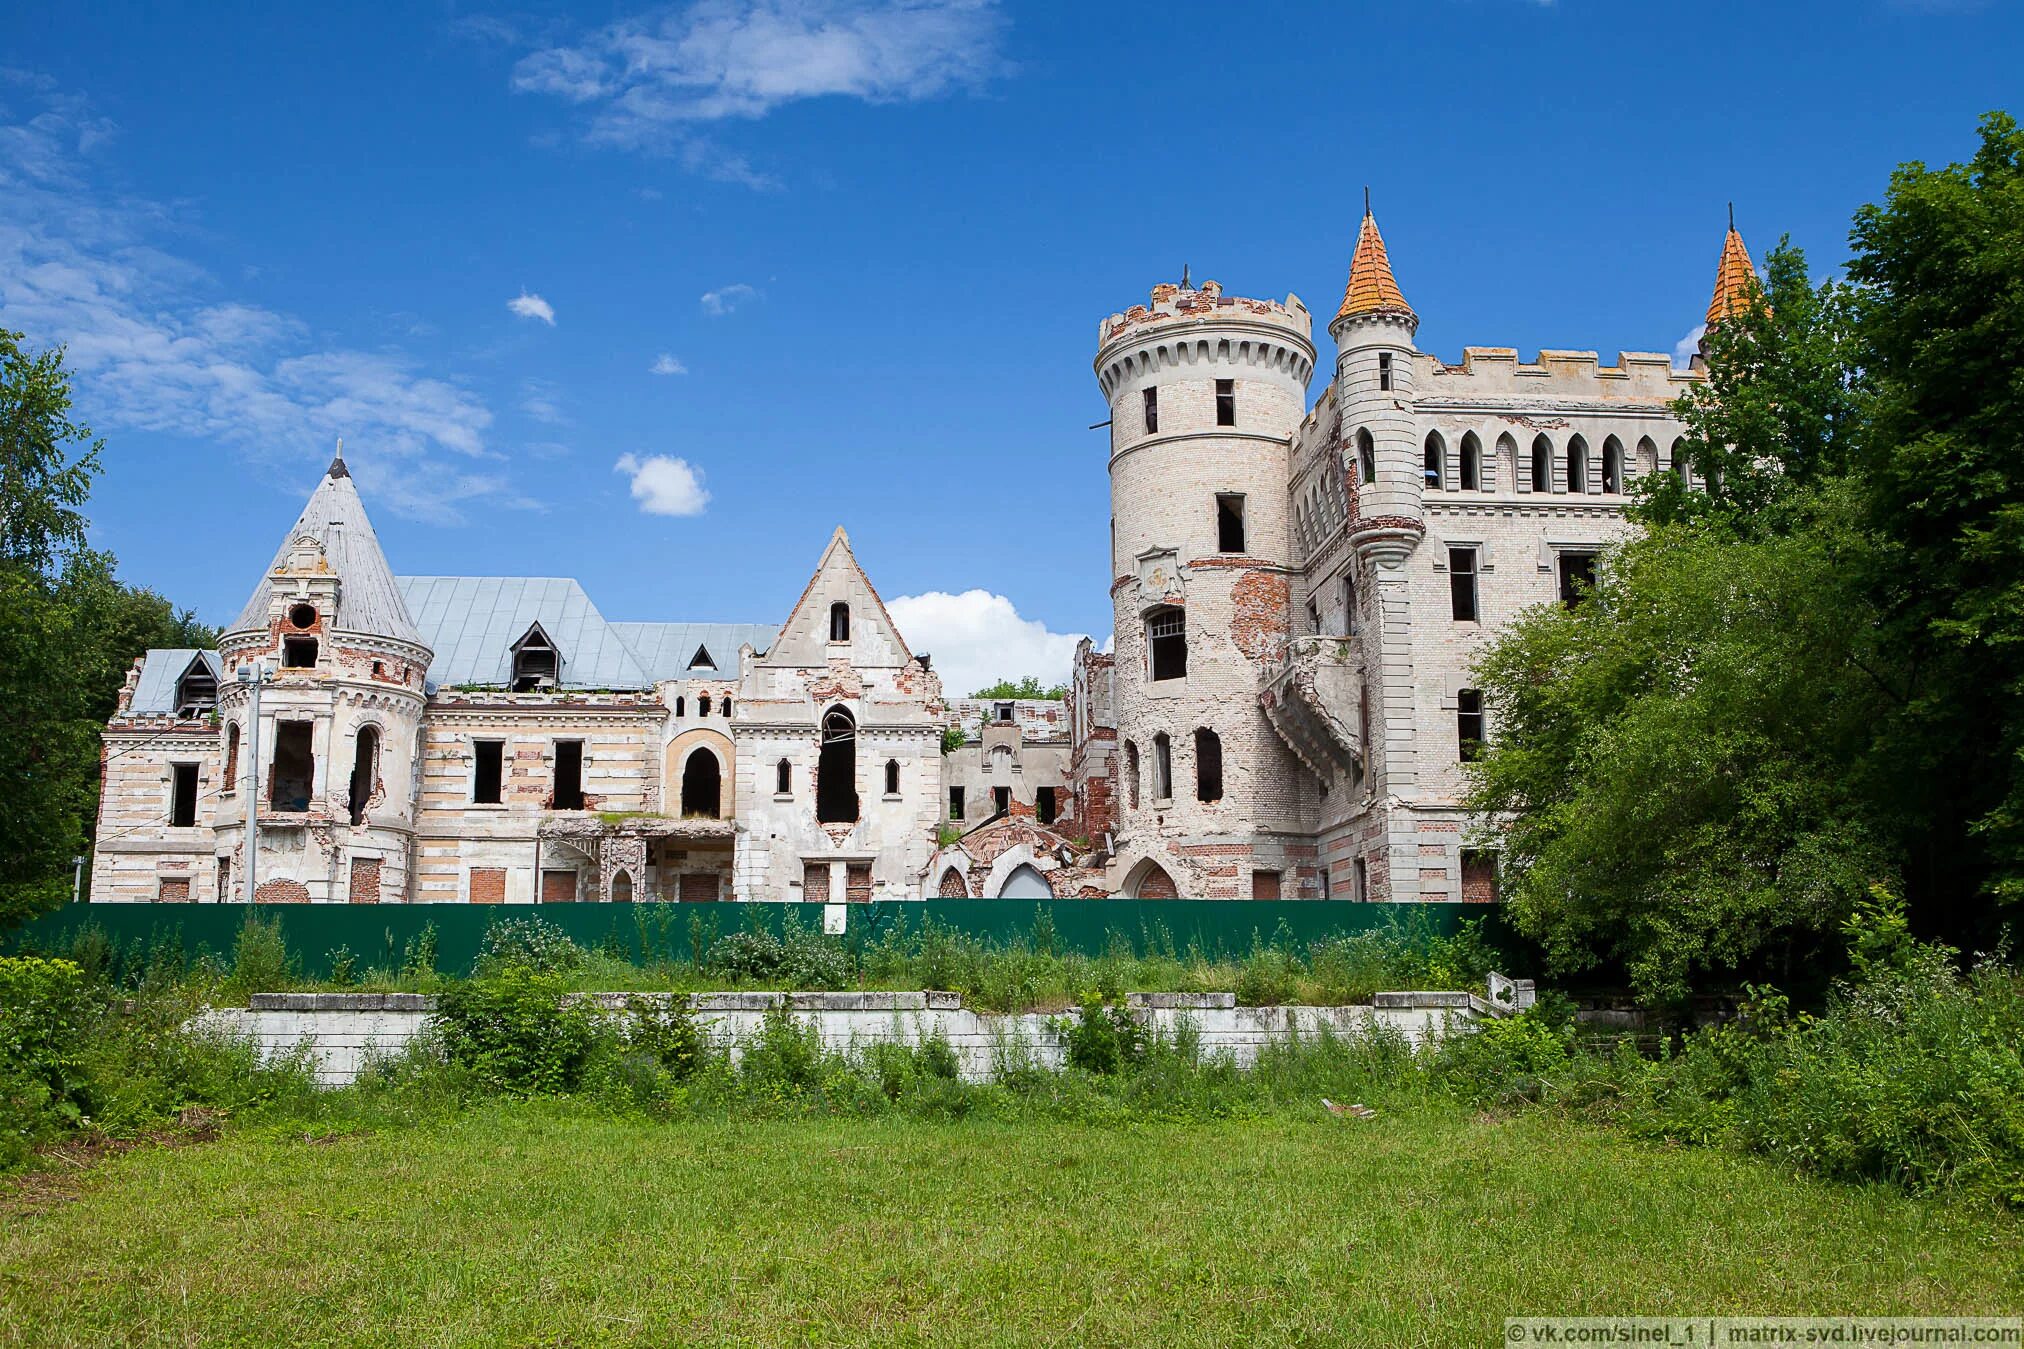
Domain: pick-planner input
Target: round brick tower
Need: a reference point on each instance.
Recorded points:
(1205, 393)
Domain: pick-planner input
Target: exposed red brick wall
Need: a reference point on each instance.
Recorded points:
(281, 892)
(1258, 625)
(815, 882)
(857, 883)
(1264, 885)
(697, 887)
(1156, 884)
(1479, 878)
(488, 885)
(365, 880)
(558, 887)
(175, 890)
(952, 885)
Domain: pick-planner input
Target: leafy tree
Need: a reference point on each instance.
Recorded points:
(1027, 687)
(69, 630)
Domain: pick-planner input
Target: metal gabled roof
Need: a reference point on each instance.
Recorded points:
(665, 650)
(368, 600)
(162, 674)
(472, 622)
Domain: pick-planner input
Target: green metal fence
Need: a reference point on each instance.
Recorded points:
(381, 935)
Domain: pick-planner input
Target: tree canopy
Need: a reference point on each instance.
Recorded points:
(1028, 686)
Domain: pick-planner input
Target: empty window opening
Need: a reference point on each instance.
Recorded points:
(1462, 583)
(1163, 767)
(1384, 371)
(1264, 885)
(703, 706)
(1348, 603)
(1366, 459)
(298, 653)
(1043, 805)
(1001, 801)
(1226, 402)
(1326, 893)
(294, 769)
(302, 616)
(364, 771)
(1612, 465)
(1479, 876)
(1152, 402)
(1208, 765)
(702, 786)
(1313, 617)
(488, 775)
(231, 783)
(892, 777)
(379, 669)
(1004, 712)
(1577, 465)
(955, 803)
(839, 622)
(182, 795)
(197, 693)
(783, 778)
(724, 707)
(1167, 643)
(622, 888)
(1131, 769)
(836, 769)
(681, 707)
(1229, 522)
(1472, 463)
(1577, 577)
(535, 662)
(1682, 464)
(1431, 461)
(1360, 877)
(569, 775)
(702, 660)
(1542, 464)
(1469, 724)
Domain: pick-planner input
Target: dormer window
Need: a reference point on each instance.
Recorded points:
(702, 660)
(197, 691)
(1005, 712)
(536, 662)
(839, 622)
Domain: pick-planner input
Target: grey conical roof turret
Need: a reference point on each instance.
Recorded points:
(368, 600)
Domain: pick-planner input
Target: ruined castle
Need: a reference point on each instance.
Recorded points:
(1299, 593)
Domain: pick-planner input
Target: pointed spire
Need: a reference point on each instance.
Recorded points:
(369, 599)
(337, 468)
(1734, 276)
(1371, 289)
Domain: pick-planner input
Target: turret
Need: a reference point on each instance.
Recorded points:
(1373, 332)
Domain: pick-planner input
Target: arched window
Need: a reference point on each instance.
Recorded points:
(1577, 465)
(232, 757)
(1432, 459)
(702, 785)
(724, 708)
(836, 769)
(1647, 457)
(783, 778)
(1366, 459)
(1163, 767)
(1612, 466)
(1131, 774)
(839, 622)
(681, 706)
(1151, 881)
(621, 888)
(1681, 465)
(1472, 463)
(892, 777)
(364, 771)
(703, 706)
(1208, 765)
(1025, 882)
(1542, 464)
(1507, 454)
(952, 886)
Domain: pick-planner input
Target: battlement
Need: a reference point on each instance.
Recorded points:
(1171, 304)
(1488, 372)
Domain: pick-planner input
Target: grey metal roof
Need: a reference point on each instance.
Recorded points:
(368, 600)
(162, 673)
(472, 622)
(664, 650)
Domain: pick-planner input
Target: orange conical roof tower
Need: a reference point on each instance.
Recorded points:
(1371, 289)
(1734, 277)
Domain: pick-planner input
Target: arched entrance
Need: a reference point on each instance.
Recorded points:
(952, 886)
(836, 770)
(1149, 880)
(1025, 883)
(702, 785)
(621, 888)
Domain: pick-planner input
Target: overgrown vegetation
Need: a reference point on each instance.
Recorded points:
(1026, 686)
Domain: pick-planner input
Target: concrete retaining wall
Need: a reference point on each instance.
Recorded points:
(342, 1031)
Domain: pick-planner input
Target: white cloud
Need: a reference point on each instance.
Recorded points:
(723, 300)
(153, 347)
(1687, 347)
(648, 81)
(532, 307)
(978, 638)
(665, 364)
(542, 401)
(664, 485)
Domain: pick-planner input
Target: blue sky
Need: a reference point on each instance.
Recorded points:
(865, 244)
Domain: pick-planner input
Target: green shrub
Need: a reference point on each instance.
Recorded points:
(1100, 1039)
(1268, 977)
(668, 1034)
(751, 956)
(260, 960)
(46, 1015)
(530, 942)
(343, 966)
(784, 1057)
(418, 958)
(1506, 1061)
(515, 1031)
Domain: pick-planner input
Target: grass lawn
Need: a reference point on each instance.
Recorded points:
(540, 1223)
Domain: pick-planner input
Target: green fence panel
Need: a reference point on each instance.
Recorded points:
(380, 936)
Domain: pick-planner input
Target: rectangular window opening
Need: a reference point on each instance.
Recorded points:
(1469, 724)
(1229, 522)
(1360, 874)
(1264, 885)
(1152, 397)
(182, 795)
(569, 775)
(490, 774)
(1226, 402)
(1384, 370)
(1167, 644)
(1001, 800)
(955, 803)
(293, 771)
(1462, 583)
(298, 653)
(1043, 805)
(1577, 577)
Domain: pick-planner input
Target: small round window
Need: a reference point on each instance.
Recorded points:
(302, 616)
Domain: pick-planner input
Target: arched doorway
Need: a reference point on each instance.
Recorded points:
(1025, 883)
(702, 785)
(1149, 880)
(621, 888)
(952, 886)
(364, 770)
(836, 770)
